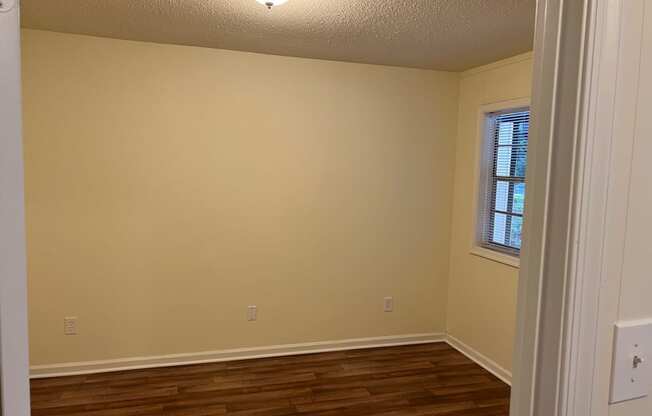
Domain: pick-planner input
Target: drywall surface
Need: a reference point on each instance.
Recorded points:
(169, 187)
(482, 292)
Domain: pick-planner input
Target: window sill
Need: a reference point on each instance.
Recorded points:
(496, 256)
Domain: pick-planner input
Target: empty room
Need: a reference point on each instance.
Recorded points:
(274, 208)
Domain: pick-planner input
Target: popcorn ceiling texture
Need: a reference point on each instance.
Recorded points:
(448, 35)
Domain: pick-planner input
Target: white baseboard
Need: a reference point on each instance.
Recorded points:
(138, 363)
(135, 363)
(480, 359)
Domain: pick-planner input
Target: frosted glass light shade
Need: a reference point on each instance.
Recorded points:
(271, 3)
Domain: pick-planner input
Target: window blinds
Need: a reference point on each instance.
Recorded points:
(505, 191)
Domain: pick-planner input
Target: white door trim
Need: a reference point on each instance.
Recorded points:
(576, 71)
(13, 281)
(591, 230)
(620, 77)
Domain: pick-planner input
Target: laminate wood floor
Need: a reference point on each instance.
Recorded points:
(419, 380)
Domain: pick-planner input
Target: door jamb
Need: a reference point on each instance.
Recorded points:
(13, 276)
(575, 74)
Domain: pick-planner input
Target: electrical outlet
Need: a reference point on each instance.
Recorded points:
(70, 325)
(252, 313)
(388, 304)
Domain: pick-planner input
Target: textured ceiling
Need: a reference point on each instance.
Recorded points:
(437, 34)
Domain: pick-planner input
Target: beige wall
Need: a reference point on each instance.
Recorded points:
(482, 292)
(169, 187)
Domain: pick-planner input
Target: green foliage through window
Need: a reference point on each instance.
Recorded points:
(506, 196)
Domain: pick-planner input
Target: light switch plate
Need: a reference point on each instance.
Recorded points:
(631, 376)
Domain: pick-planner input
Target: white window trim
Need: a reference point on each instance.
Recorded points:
(481, 179)
(495, 255)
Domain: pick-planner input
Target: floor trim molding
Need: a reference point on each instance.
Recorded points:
(136, 363)
(480, 359)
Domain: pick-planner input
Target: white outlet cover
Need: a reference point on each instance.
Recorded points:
(632, 380)
(252, 313)
(70, 325)
(388, 304)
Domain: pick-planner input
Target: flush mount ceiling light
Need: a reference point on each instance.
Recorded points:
(271, 3)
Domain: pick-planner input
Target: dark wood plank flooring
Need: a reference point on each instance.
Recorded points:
(419, 380)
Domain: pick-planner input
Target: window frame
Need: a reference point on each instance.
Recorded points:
(484, 177)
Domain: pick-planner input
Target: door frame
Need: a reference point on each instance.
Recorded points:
(13, 276)
(560, 337)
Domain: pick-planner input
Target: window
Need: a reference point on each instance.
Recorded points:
(503, 194)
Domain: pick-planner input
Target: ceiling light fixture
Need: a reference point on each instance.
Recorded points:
(271, 3)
